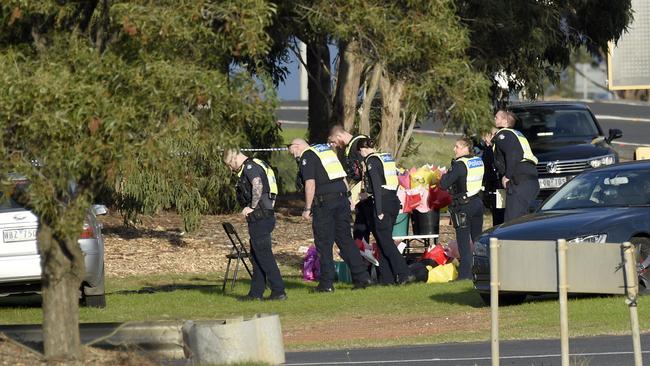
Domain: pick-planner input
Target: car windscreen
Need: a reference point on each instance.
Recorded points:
(603, 189)
(8, 203)
(542, 123)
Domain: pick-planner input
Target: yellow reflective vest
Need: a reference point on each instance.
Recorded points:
(390, 170)
(270, 176)
(330, 161)
(474, 179)
(355, 138)
(525, 146)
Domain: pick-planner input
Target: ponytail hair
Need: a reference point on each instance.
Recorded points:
(366, 143)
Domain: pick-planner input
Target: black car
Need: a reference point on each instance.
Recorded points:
(609, 204)
(566, 139)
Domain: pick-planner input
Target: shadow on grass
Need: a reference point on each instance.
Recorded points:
(173, 236)
(291, 283)
(22, 301)
(467, 297)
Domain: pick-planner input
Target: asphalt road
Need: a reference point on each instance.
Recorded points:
(593, 351)
(633, 118)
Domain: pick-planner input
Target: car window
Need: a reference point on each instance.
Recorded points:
(603, 189)
(8, 204)
(546, 123)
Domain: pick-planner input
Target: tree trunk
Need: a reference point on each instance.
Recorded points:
(404, 138)
(319, 88)
(391, 94)
(63, 269)
(347, 85)
(364, 121)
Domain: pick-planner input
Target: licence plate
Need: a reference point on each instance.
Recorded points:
(13, 235)
(546, 183)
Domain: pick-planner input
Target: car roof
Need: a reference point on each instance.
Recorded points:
(548, 105)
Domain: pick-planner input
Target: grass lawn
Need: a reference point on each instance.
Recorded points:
(378, 316)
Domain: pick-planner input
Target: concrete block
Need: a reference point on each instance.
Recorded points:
(258, 339)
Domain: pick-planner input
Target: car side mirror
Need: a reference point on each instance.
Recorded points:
(100, 210)
(614, 133)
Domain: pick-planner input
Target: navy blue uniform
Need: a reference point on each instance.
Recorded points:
(491, 182)
(392, 265)
(331, 223)
(260, 226)
(471, 208)
(523, 186)
(353, 164)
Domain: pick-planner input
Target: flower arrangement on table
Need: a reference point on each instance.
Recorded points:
(418, 189)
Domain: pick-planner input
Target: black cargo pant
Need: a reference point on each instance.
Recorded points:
(363, 213)
(519, 197)
(265, 267)
(331, 223)
(468, 232)
(392, 264)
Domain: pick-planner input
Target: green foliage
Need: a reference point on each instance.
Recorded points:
(528, 41)
(136, 103)
(420, 42)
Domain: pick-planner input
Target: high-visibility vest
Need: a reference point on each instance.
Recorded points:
(330, 161)
(271, 182)
(525, 146)
(474, 179)
(390, 170)
(355, 138)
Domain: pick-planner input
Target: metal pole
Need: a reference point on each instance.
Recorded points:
(494, 298)
(304, 94)
(563, 290)
(632, 291)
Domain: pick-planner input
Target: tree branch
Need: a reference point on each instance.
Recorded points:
(364, 123)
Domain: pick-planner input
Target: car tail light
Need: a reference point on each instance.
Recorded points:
(88, 232)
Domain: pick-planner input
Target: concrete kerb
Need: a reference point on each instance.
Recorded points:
(258, 339)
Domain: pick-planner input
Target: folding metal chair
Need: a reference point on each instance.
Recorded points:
(238, 253)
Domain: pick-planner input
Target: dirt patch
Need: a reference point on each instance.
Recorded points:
(361, 328)
(168, 249)
(15, 354)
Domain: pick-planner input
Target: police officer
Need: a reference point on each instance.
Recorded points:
(380, 180)
(515, 163)
(353, 165)
(491, 181)
(464, 182)
(256, 191)
(326, 200)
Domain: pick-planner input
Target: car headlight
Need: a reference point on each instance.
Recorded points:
(602, 160)
(595, 238)
(480, 249)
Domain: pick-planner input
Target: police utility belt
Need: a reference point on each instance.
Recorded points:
(259, 214)
(321, 199)
(463, 199)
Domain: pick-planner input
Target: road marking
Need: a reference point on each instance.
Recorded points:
(460, 359)
(294, 108)
(617, 118)
(282, 121)
(628, 143)
(429, 132)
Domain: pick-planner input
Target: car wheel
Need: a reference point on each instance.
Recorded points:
(504, 299)
(642, 245)
(95, 301)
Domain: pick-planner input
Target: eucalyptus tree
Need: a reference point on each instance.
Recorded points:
(132, 97)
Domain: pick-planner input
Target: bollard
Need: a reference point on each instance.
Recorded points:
(494, 298)
(631, 292)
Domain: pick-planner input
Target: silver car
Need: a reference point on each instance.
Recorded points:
(20, 263)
